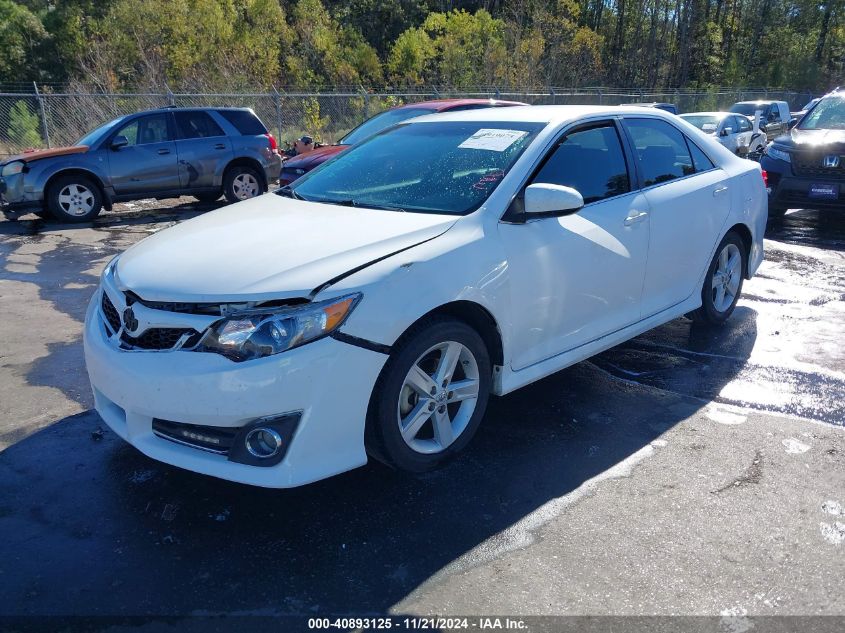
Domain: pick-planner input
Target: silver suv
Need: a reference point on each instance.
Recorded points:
(202, 152)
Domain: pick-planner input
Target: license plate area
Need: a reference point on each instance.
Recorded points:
(823, 191)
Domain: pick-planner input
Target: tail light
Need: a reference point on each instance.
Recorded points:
(765, 176)
(273, 144)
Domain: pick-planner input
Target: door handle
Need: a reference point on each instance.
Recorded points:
(720, 190)
(220, 146)
(635, 216)
(163, 151)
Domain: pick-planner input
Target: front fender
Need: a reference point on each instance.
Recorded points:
(95, 163)
(463, 264)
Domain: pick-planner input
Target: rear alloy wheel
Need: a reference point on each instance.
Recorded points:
(723, 282)
(74, 199)
(430, 397)
(242, 183)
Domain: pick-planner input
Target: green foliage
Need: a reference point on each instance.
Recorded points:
(21, 35)
(24, 126)
(311, 119)
(215, 45)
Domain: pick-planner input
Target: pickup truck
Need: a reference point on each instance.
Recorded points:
(775, 119)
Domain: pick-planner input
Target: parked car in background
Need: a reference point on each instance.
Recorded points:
(298, 166)
(806, 166)
(775, 118)
(807, 107)
(165, 153)
(734, 131)
(668, 107)
(372, 307)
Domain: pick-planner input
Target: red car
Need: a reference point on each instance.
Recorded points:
(295, 167)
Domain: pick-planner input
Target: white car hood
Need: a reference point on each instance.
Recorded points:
(269, 247)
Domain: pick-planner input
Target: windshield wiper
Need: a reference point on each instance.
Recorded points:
(351, 202)
(288, 192)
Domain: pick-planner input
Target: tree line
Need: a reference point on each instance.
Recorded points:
(218, 45)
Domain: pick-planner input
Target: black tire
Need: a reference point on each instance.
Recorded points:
(232, 178)
(709, 312)
(384, 439)
(206, 197)
(67, 195)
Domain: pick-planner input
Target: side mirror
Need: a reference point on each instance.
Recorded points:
(727, 131)
(119, 141)
(792, 123)
(546, 200)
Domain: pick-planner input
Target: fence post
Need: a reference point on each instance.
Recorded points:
(601, 97)
(277, 101)
(171, 99)
(44, 125)
(366, 96)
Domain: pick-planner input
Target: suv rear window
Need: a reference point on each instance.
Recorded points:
(245, 121)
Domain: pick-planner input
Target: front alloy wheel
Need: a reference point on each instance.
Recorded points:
(74, 199)
(438, 397)
(430, 396)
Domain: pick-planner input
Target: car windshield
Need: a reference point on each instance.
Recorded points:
(94, 135)
(439, 167)
(828, 114)
(747, 109)
(381, 122)
(704, 122)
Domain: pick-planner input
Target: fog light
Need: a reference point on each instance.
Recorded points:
(263, 443)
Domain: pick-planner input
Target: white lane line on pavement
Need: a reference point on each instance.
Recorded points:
(721, 414)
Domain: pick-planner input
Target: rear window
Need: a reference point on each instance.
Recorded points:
(244, 121)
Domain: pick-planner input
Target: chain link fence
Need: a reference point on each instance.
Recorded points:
(41, 119)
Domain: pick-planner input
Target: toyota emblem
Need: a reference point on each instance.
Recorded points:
(129, 320)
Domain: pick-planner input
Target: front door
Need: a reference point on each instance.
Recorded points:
(148, 163)
(689, 198)
(578, 277)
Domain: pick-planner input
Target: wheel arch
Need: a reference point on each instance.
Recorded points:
(246, 161)
(477, 317)
(747, 240)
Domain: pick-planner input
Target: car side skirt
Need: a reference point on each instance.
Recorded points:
(507, 381)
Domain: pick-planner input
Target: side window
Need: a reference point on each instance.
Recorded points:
(661, 150)
(245, 121)
(590, 161)
(196, 124)
(146, 129)
(744, 124)
(699, 158)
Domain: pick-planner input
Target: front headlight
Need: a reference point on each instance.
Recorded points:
(257, 333)
(13, 168)
(779, 154)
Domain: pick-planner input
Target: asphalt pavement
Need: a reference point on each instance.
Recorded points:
(693, 470)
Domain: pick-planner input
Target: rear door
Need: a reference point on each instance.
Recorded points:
(689, 198)
(203, 148)
(148, 162)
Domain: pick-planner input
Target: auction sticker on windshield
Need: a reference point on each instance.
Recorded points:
(492, 139)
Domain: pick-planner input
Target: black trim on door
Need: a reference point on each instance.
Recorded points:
(514, 213)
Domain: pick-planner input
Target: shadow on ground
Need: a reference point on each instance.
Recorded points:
(91, 526)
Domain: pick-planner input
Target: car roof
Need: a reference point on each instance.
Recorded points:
(441, 105)
(542, 113)
(759, 101)
(714, 114)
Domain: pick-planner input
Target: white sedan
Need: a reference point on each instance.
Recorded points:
(373, 307)
(734, 131)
